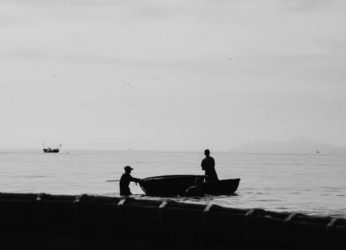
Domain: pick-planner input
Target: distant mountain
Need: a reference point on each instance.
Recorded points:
(297, 146)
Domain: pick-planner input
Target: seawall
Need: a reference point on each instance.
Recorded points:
(42, 221)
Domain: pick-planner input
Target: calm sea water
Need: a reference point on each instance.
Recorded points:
(312, 184)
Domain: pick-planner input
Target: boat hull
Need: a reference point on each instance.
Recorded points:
(187, 185)
(222, 187)
(45, 150)
(169, 185)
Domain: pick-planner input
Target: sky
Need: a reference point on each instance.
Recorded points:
(171, 75)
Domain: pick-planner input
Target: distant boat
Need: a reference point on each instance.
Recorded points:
(51, 150)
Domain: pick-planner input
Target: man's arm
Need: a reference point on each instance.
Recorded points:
(134, 179)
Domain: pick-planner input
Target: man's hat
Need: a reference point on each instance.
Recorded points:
(128, 168)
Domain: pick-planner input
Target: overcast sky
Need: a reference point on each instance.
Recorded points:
(170, 75)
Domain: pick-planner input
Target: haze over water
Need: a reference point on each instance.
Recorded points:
(310, 183)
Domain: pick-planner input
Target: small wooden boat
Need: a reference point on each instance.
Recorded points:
(186, 185)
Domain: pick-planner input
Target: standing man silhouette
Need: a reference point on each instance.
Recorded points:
(125, 180)
(208, 165)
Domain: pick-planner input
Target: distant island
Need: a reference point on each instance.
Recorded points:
(296, 146)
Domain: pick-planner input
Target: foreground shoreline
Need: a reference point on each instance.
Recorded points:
(43, 221)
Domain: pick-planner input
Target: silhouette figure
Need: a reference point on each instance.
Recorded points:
(125, 180)
(208, 165)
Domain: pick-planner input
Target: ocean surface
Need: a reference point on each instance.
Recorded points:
(312, 184)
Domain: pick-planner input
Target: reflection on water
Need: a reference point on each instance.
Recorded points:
(204, 199)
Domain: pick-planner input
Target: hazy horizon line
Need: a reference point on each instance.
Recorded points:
(67, 151)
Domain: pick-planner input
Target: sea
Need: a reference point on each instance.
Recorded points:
(313, 184)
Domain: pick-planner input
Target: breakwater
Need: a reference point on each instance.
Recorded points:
(42, 221)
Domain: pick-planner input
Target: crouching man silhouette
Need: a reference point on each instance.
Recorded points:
(125, 180)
